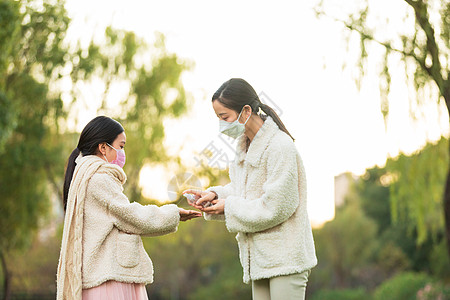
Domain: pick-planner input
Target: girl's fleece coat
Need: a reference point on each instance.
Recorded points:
(101, 237)
(265, 203)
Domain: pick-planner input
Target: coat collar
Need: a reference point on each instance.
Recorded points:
(258, 145)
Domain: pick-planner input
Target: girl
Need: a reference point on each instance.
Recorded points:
(265, 202)
(102, 255)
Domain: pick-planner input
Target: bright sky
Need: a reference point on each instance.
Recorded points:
(295, 59)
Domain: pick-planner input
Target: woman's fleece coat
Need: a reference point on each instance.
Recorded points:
(102, 230)
(113, 227)
(265, 203)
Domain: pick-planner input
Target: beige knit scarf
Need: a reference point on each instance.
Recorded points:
(69, 281)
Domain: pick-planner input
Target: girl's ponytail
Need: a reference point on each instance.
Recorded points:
(270, 112)
(99, 130)
(69, 174)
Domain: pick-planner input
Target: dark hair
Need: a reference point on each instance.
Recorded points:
(237, 93)
(99, 130)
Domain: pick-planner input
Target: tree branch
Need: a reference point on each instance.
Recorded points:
(388, 46)
(434, 71)
(421, 12)
(370, 37)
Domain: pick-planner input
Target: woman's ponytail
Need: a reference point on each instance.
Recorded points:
(236, 93)
(271, 113)
(69, 174)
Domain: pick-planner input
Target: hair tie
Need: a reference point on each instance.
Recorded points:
(258, 103)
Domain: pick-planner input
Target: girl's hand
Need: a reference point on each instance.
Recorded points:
(218, 207)
(188, 214)
(202, 198)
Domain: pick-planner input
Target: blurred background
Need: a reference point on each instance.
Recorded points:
(363, 86)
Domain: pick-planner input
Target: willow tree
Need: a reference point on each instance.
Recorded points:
(423, 45)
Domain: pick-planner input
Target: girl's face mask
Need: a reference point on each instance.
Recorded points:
(233, 129)
(120, 158)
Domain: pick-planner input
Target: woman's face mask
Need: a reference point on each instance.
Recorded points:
(120, 158)
(233, 129)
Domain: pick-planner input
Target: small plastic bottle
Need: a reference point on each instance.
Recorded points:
(191, 198)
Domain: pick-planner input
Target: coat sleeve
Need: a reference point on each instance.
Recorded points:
(280, 196)
(222, 191)
(134, 218)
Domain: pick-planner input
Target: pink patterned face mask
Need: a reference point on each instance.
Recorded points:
(120, 158)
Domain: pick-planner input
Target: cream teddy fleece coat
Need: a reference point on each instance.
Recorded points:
(102, 229)
(265, 203)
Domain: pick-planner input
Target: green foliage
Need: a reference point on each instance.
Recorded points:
(31, 58)
(10, 22)
(445, 21)
(8, 119)
(31, 34)
(374, 197)
(418, 256)
(439, 260)
(434, 291)
(153, 93)
(398, 250)
(36, 267)
(391, 258)
(23, 162)
(395, 249)
(416, 187)
(383, 250)
(402, 287)
(342, 256)
(344, 294)
(10, 27)
(227, 284)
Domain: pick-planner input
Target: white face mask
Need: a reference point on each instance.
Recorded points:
(233, 129)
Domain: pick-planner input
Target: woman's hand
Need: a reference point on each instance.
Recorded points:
(203, 198)
(188, 214)
(218, 207)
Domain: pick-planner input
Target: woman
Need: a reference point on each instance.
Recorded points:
(265, 202)
(102, 255)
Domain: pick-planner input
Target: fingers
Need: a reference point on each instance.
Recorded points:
(194, 213)
(200, 202)
(203, 198)
(217, 207)
(197, 193)
(195, 205)
(210, 209)
(185, 212)
(189, 214)
(206, 198)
